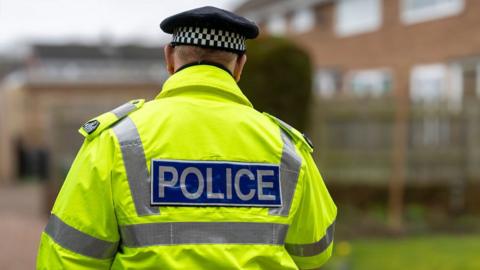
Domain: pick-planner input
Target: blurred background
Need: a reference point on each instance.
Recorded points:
(387, 90)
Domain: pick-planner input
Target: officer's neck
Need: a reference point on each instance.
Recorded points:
(204, 62)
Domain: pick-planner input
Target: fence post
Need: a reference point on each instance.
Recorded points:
(396, 188)
(472, 143)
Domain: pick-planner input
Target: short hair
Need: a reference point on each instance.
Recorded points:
(189, 54)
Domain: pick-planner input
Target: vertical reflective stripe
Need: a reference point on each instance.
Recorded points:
(123, 110)
(289, 171)
(305, 250)
(79, 242)
(135, 166)
(178, 233)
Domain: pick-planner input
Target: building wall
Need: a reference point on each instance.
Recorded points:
(11, 121)
(34, 111)
(42, 103)
(395, 45)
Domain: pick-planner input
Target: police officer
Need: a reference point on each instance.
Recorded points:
(195, 179)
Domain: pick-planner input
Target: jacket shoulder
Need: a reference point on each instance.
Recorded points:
(93, 127)
(294, 134)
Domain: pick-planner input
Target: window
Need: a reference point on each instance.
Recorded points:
(277, 25)
(415, 11)
(327, 83)
(430, 131)
(428, 83)
(455, 87)
(438, 86)
(303, 20)
(374, 82)
(447, 84)
(357, 16)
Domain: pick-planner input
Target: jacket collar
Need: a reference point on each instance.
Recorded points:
(214, 80)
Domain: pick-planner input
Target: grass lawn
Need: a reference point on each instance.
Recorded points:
(445, 252)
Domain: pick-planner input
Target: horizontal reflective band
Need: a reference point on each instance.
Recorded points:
(304, 250)
(178, 233)
(79, 242)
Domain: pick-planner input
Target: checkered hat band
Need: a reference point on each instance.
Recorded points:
(207, 37)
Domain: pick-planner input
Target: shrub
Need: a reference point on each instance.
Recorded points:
(278, 80)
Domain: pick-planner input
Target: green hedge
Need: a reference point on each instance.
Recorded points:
(277, 79)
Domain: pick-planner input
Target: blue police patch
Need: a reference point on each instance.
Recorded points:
(213, 183)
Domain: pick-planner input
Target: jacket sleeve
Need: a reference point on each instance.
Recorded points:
(310, 237)
(82, 229)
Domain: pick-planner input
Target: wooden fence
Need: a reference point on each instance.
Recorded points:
(354, 141)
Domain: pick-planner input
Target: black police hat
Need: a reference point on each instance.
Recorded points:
(210, 27)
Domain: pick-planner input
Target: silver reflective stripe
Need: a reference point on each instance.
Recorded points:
(312, 249)
(123, 110)
(135, 166)
(289, 171)
(284, 124)
(177, 233)
(79, 242)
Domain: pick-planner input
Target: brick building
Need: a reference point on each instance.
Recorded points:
(44, 102)
(428, 50)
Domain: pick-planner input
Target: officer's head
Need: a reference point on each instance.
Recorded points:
(210, 35)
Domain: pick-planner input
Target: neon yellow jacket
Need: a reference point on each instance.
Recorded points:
(103, 217)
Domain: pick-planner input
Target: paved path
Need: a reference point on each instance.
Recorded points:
(21, 223)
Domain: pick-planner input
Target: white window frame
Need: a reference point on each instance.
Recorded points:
(437, 11)
(303, 20)
(455, 88)
(357, 28)
(376, 93)
(430, 71)
(326, 83)
(277, 25)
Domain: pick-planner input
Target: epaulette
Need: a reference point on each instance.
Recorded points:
(294, 134)
(92, 128)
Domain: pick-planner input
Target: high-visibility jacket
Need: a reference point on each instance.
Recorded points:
(104, 216)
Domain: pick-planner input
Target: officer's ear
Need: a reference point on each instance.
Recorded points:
(237, 72)
(168, 51)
